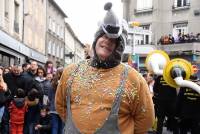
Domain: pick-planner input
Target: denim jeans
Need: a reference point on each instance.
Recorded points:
(5, 122)
(56, 124)
(31, 119)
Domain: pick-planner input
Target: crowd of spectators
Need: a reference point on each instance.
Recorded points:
(180, 38)
(27, 95)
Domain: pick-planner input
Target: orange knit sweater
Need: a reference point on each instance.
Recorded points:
(92, 96)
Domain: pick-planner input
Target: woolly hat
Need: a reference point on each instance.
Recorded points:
(113, 28)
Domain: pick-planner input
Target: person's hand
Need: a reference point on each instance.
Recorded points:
(36, 100)
(3, 86)
(38, 127)
(177, 118)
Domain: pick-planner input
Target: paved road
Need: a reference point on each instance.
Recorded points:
(164, 131)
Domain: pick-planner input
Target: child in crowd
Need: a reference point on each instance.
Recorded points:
(17, 108)
(49, 68)
(33, 97)
(43, 126)
(33, 109)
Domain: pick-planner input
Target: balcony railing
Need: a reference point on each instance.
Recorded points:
(143, 10)
(181, 7)
(193, 47)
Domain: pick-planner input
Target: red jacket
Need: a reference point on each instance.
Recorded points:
(17, 112)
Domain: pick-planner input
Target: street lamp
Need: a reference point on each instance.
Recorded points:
(70, 55)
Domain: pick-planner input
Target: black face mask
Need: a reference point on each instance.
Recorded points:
(96, 62)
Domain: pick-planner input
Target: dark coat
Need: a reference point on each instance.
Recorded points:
(5, 97)
(188, 103)
(30, 83)
(14, 82)
(162, 91)
(44, 84)
(51, 95)
(46, 125)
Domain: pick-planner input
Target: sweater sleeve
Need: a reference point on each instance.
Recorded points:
(142, 104)
(61, 92)
(144, 115)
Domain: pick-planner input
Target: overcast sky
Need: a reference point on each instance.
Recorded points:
(84, 15)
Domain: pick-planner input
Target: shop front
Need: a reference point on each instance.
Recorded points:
(14, 52)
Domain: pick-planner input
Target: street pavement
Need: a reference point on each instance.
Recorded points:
(164, 131)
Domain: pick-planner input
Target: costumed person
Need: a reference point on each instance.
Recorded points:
(188, 110)
(164, 97)
(102, 95)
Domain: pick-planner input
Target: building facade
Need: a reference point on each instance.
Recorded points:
(74, 48)
(13, 49)
(79, 54)
(35, 30)
(55, 35)
(138, 46)
(11, 18)
(164, 17)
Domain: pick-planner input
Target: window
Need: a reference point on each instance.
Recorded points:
(16, 19)
(61, 32)
(49, 47)
(139, 39)
(180, 28)
(144, 4)
(6, 8)
(61, 53)
(181, 3)
(13, 60)
(147, 39)
(57, 51)
(58, 30)
(53, 26)
(146, 27)
(29, 6)
(54, 49)
(16, 12)
(5, 60)
(50, 23)
(130, 40)
(1, 57)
